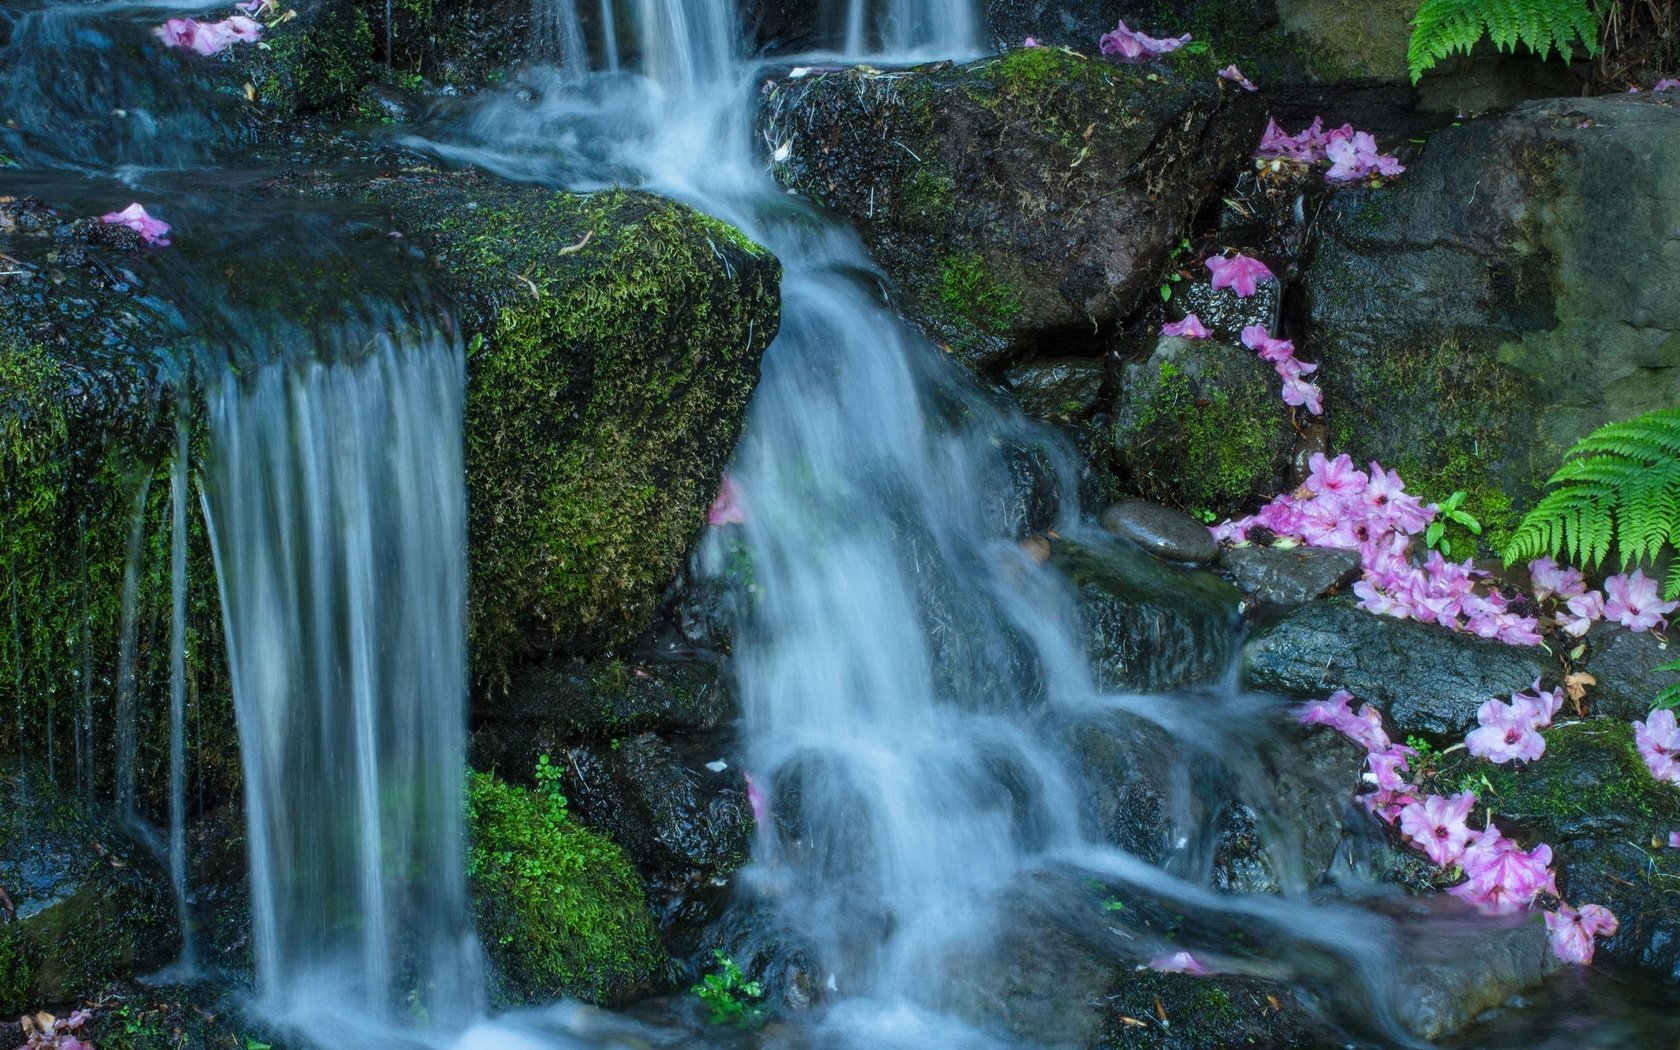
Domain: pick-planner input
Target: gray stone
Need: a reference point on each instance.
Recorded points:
(1625, 663)
(1481, 968)
(1149, 626)
(1059, 388)
(1162, 531)
(1427, 679)
(1447, 309)
(1289, 575)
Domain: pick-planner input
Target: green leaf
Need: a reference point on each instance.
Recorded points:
(1432, 535)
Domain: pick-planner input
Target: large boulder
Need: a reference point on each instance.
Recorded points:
(1449, 309)
(1427, 679)
(1019, 198)
(82, 905)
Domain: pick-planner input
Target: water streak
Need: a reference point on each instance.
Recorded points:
(128, 644)
(178, 675)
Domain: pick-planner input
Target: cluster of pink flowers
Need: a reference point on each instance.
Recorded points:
(152, 231)
(1280, 353)
(1347, 509)
(726, 508)
(1500, 877)
(1240, 273)
(209, 38)
(1666, 84)
(1630, 599)
(1658, 738)
(1512, 730)
(1132, 46)
(1351, 155)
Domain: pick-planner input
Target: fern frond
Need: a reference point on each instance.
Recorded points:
(1618, 487)
(1445, 27)
(1669, 695)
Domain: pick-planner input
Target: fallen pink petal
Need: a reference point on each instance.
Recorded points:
(151, 230)
(1235, 75)
(1131, 45)
(1189, 328)
(1180, 962)
(1240, 273)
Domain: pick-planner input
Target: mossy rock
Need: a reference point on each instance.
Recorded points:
(1201, 425)
(1479, 314)
(614, 344)
(558, 908)
(1016, 200)
(87, 906)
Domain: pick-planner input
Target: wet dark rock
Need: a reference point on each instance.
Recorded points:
(1447, 309)
(1201, 424)
(1607, 820)
(1427, 679)
(1148, 626)
(1034, 494)
(569, 701)
(1222, 311)
(1625, 663)
(681, 821)
(1472, 975)
(82, 905)
(1057, 389)
(1162, 531)
(1113, 159)
(1289, 575)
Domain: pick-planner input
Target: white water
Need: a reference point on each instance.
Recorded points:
(335, 497)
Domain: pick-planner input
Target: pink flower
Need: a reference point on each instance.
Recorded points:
(1240, 273)
(1508, 731)
(1307, 146)
(726, 509)
(1189, 328)
(1131, 45)
(1667, 84)
(1355, 156)
(1387, 804)
(208, 38)
(1500, 877)
(152, 231)
(1302, 393)
(1256, 338)
(1180, 962)
(1293, 368)
(1028, 42)
(755, 798)
(254, 7)
(1583, 610)
(1632, 602)
(1364, 729)
(1571, 932)
(1437, 825)
(1658, 738)
(1232, 73)
(1386, 767)
(1553, 580)
(1326, 475)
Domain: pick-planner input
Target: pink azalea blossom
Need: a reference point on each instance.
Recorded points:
(1240, 273)
(1355, 157)
(1632, 602)
(1029, 42)
(1365, 728)
(152, 231)
(208, 38)
(1658, 738)
(1294, 368)
(1571, 932)
(1500, 877)
(1339, 475)
(1180, 962)
(1387, 804)
(1131, 45)
(1437, 825)
(1189, 328)
(1508, 731)
(1256, 338)
(1386, 767)
(1667, 84)
(1306, 146)
(1233, 74)
(1584, 609)
(1302, 393)
(255, 7)
(755, 798)
(726, 509)
(1553, 580)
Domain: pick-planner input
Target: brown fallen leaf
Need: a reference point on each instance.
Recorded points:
(1575, 687)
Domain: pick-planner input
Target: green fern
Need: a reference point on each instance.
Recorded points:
(1670, 694)
(1618, 486)
(1443, 27)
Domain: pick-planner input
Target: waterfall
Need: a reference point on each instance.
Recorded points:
(335, 496)
(178, 673)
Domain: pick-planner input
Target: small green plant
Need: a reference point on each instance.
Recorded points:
(1443, 27)
(1619, 485)
(1175, 271)
(548, 786)
(1449, 510)
(729, 997)
(1670, 694)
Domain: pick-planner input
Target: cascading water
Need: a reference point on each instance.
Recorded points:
(336, 501)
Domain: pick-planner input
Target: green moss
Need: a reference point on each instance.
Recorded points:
(1202, 445)
(317, 64)
(17, 972)
(558, 908)
(970, 292)
(1591, 771)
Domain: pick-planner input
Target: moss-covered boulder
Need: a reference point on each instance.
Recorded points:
(82, 905)
(1017, 199)
(1201, 424)
(614, 344)
(1607, 820)
(1509, 293)
(558, 908)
